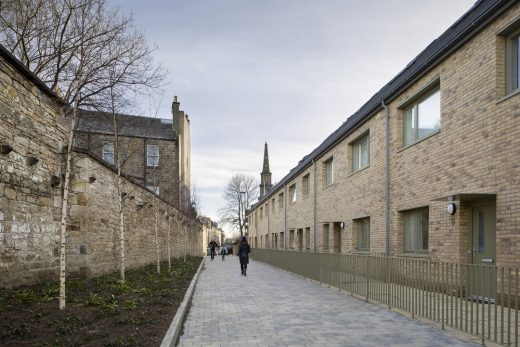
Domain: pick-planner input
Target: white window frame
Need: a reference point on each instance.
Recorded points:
(411, 119)
(108, 152)
(358, 148)
(152, 159)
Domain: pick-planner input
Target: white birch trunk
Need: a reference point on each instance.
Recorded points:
(169, 252)
(64, 207)
(121, 225)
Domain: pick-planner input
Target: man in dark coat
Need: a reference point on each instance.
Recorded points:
(212, 246)
(243, 254)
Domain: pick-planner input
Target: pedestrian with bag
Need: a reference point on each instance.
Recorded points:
(243, 255)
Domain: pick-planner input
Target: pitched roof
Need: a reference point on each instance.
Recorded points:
(480, 14)
(135, 126)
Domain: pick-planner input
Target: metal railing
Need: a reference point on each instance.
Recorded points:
(481, 300)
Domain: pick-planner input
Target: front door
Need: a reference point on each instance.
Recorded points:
(483, 273)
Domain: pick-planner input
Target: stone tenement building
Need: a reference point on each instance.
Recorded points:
(152, 151)
(428, 167)
(33, 135)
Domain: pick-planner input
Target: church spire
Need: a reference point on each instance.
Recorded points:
(265, 175)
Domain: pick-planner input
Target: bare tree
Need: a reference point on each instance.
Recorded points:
(84, 50)
(240, 193)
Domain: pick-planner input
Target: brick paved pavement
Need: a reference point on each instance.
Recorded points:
(271, 307)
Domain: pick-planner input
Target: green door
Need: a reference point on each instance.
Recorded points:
(483, 273)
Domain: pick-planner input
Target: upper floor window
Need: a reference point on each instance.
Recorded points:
(261, 212)
(305, 185)
(108, 152)
(361, 153)
(422, 118)
(280, 200)
(273, 205)
(292, 193)
(513, 62)
(328, 175)
(152, 155)
(415, 224)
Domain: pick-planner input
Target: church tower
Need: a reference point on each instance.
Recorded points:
(265, 175)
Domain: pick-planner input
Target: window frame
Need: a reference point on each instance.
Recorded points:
(105, 153)
(306, 186)
(360, 223)
(356, 147)
(293, 193)
(512, 61)
(413, 105)
(414, 216)
(149, 156)
(326, 182)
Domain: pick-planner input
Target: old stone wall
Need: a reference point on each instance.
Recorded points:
(32, 138)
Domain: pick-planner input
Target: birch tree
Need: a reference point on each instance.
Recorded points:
(240, 193)
(83, 50)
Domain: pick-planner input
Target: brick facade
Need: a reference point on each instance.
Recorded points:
(473, 156)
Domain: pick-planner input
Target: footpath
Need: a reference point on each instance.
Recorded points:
(271, 307)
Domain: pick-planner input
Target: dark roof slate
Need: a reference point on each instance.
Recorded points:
(477, 16)
(135, 126)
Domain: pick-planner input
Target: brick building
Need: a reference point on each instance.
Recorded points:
(428, 167)
(152, 151)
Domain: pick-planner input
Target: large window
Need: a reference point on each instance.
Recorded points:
(280, 200)
(422, 118)
(328, 172)
(361, 153)
(152, 155)
(292, 193)
(108, 152)
(363, 234)
(273, 205)
(513, 62)
(305, 185)
(416, 230)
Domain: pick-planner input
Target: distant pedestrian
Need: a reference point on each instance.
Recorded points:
(223, 251)
(243, 255)
(212, 246)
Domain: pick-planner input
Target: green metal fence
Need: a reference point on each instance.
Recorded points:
(481, 300)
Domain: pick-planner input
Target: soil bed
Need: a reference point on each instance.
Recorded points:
(100, 311)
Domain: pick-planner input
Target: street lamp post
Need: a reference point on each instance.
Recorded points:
(242, 210)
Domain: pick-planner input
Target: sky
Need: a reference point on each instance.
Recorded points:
(285, 72)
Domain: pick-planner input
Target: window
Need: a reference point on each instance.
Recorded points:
(280, 200)
(152, 155)
(261, 212)
(272, 205)
(292, 193)
(513, 62)
(328, 176)
(153, 189)
(361, 153)
(422, 118)
(108, 152)
(363, 234)
(291, 239)
(416, 230)
(308, 239)
(282, 240)
(325, 236)
(305, 185)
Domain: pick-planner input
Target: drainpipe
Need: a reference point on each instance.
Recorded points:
(387, 178)
(314, 212)
(285, 217)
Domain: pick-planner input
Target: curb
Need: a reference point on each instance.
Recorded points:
(172, 334)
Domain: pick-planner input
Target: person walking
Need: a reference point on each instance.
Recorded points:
(212, 246)
(243, 255)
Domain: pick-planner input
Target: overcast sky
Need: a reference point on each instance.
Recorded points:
(288, 72)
